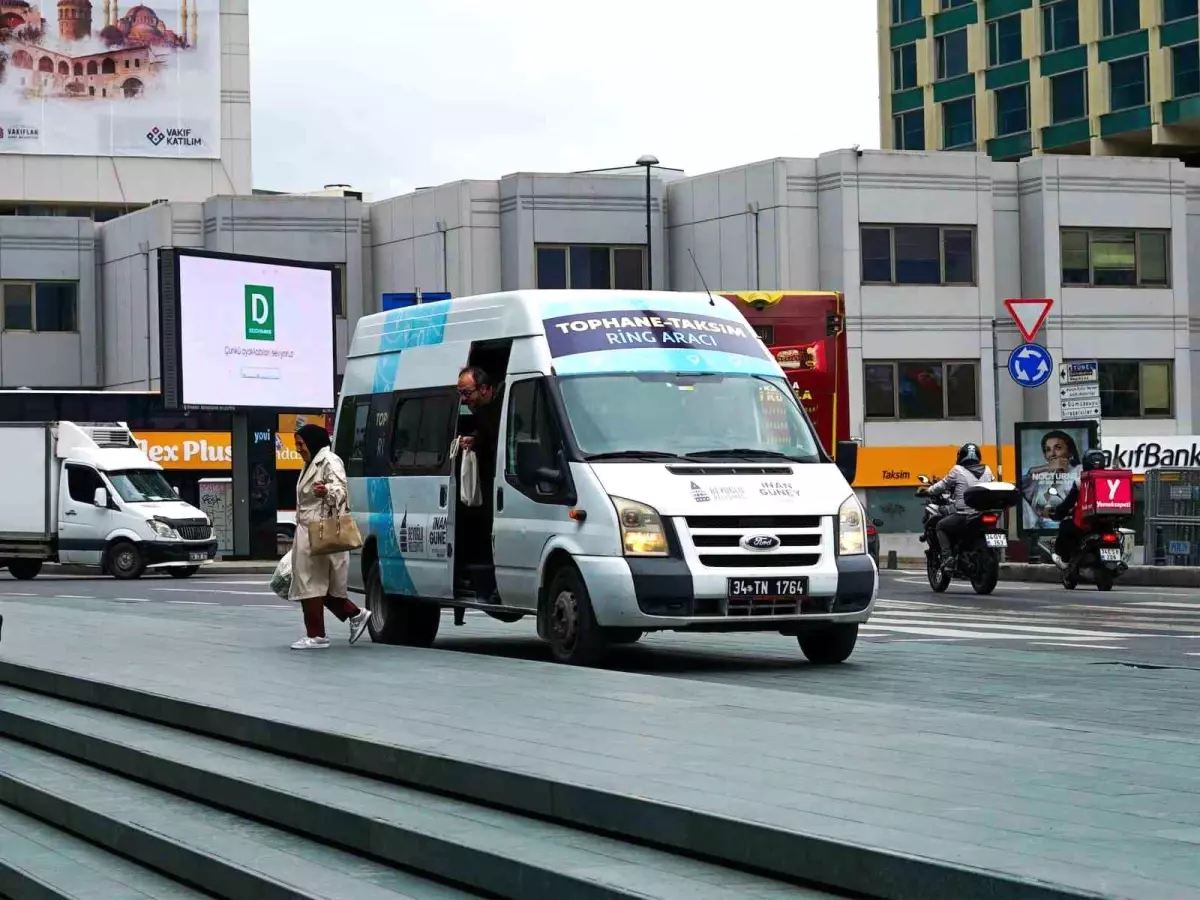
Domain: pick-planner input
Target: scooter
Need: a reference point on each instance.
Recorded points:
(1103, 554)
(978, 544)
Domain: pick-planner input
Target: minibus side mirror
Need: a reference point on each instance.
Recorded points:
(100, 498)
(847, 460)
(530, 468)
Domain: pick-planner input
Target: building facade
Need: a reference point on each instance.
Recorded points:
(1014, 78)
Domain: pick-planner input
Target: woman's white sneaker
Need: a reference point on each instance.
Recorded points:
(307, 643)
(358, 624)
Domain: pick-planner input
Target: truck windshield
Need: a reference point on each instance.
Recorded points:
(686, 415)
(141, 486)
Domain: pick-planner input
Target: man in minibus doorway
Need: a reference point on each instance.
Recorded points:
(482, 397)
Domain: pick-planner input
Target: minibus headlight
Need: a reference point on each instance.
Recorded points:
(163, 530)
(852, 528)
(642, 531)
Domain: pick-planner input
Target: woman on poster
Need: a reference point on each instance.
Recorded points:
(1060, 470)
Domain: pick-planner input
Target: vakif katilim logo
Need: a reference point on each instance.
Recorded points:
(155, 136)
(260, 312)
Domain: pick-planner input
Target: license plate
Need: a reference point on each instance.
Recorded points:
(197, 556)
(767, 590)
(997, 540)
(1110, 554)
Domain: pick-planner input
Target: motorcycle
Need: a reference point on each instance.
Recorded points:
(978, 543)
(1102, 555)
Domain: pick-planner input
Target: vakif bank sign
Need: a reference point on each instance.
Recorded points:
(1176, 451)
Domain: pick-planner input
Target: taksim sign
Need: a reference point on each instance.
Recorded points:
(255, 333)
(1138, 454)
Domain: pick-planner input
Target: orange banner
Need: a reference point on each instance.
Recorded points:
(208, 451)
(900, 466)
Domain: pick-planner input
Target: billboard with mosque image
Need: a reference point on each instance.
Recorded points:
(109, 78)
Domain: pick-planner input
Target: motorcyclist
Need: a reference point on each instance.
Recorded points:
(1070, 535)
(968, 471)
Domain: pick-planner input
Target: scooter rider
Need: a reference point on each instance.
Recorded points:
(1067, 542)
(968, 471)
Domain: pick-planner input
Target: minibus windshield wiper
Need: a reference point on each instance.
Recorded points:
(632, 454)
(747, 453)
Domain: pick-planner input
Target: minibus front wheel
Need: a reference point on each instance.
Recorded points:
(574, 636)
(830, 645)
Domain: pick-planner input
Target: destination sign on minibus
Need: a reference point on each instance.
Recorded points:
(631, 329)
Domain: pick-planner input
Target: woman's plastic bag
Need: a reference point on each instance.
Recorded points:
(469, 489)
(281, 581)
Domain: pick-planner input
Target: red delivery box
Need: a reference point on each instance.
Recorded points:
(1104, 492)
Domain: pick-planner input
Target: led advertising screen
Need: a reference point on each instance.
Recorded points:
(249, 332)
(1049, 455)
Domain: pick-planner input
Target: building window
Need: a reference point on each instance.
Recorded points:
(1174, 10)
(1185, 69)
(591, 267)
(1133, 389)
(958, 124)
(908, 130)
(1012, 110)
(1060, 25)
(911, 390)
(950, 4)
(1004, 40)
(905, 11)
(904, 67)
(1120, 17)
(951, 52)
(43, 306)
(918, 254)
(1068, 96)
(1114, 258)
(1127, 82)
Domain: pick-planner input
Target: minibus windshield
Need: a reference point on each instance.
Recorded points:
(685, 415)
(142, 486)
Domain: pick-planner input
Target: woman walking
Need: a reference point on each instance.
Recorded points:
(319, 582)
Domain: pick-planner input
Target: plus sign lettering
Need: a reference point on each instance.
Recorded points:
(1030, 365)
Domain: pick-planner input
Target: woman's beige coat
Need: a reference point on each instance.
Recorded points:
(325, 575)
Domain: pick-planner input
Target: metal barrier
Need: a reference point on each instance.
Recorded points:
(1171, 529)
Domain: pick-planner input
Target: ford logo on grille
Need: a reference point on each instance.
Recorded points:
(760, 542)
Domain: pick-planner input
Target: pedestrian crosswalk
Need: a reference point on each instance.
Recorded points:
(1107, 624)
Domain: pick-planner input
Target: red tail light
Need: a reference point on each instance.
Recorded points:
(1110, 539)
(870, 528)
(989, 519)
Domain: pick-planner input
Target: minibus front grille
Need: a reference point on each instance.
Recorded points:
(729, 470)
(768, 522)
(733, 541)
(194, 532)
(758, 560)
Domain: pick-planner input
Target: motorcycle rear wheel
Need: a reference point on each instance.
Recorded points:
(1104, 579)
(986, 575)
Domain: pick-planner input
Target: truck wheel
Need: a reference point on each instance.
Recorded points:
(399, 620)
(574, 636)
(829, 646)
(183, 572)
(125, 561)
(24, 569)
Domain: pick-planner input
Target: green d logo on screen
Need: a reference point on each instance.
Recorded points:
(260, 312)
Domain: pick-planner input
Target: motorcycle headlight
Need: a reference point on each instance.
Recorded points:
(852, 528)
(642, 531)
(163, 530)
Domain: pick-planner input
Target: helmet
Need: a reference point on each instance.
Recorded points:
(1093, 459)
(968, 453)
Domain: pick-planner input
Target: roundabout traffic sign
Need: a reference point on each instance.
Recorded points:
(1030, 365)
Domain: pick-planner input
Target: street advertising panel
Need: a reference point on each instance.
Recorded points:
(243, 332)
(1049, 454)
(83, 78)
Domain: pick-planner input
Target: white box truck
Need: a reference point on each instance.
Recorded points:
(84, 494)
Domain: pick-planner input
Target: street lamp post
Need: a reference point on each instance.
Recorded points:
(649, 161)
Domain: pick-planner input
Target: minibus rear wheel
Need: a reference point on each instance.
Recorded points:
(399, 620)
(829, 646)
(574, 636)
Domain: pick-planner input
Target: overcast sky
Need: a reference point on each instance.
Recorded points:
(388, 95)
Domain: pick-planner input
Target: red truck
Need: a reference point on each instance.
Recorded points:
(806, 333)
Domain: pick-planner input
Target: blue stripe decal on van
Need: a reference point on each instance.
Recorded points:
(403, 329)
(382, 524)
(651, 359)
(386, 368)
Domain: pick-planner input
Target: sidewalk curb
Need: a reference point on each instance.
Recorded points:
(249, 567)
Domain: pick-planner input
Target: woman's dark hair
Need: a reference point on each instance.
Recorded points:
(315, 438)
(1072, 447)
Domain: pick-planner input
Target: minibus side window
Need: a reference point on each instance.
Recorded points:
(404, 439)
(424, 428)
(354, 462)
(344, 438)
(377, 453)
(531, 418)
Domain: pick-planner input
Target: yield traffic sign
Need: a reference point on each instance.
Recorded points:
(1029, 314)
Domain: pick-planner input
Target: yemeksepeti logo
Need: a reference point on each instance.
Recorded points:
(260, 312)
